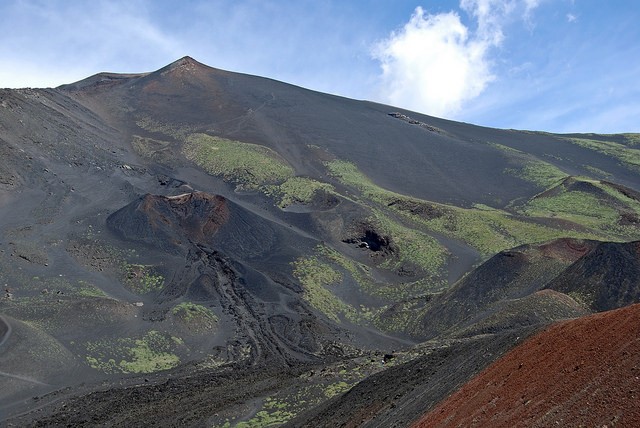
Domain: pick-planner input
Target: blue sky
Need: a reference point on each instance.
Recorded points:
(552, 65)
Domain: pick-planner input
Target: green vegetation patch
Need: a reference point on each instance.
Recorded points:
(414, 246)
(486, 229)
(297, 190)
(248, 165)
(628, 157)
(361, 274)
(538, 172)
(631, 139)
(623, 198)
(491, 231)
(530, 168)
(600, 210)
(55, 287)
(273, 413)
(149, 124)
(151, 353)
(401, 317)
(287, 403)
(596, 171)
(358, 271)
(97, 255)
(85, 289)
(315, 276)
(161, 151)
(579, 207)
(336, 389)
(194, 316)
(142, 279)
(349, 174)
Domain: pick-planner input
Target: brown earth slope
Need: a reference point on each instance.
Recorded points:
(584, 372)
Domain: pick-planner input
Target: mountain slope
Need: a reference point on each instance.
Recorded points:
(192, 219)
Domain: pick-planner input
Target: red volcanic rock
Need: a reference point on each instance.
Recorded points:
(566, 249)
(583, 372)
(198, 214)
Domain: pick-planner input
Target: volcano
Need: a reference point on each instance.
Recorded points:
(193, 246)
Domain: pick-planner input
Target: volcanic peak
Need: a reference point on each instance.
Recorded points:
(184, 65)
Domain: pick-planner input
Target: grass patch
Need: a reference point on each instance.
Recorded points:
(54, 287)
(487, 230)
(142, 279)
(492, 231)
(315, 276)
(628, 157)
(152, 125)
(96, 255)
(538, 172)
(579, 207)
(596, 171)
(336, 389)
(194, 316)
(86, 289)
(401, 318)
(414, 246)
(361, 274)
(531, 169)
(599, 210)
(350, 175)
(297, 190)
(622, 198)
(631, 139)
(147, 147)
(358, 271)
(248, 165)
(158, 150)
(273, 413)
(151, 353)
(288, 402)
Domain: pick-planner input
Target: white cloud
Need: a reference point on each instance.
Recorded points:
(529, 5)
(489, 15)
(571, 17)
(435, 63)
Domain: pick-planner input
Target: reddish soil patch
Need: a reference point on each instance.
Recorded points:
(567, 249)
(199, 214)
(584, 372)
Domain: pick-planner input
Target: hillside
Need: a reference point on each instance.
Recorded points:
(575, 373)
(163, 229)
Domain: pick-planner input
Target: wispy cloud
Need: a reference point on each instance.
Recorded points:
(76, 40)
(571, 17)
(435, 63)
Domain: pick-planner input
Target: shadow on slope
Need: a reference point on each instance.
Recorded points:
(597, 276)
(33, 362)
(606, 278)
(507, 276)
